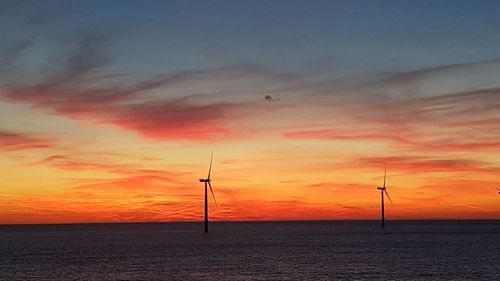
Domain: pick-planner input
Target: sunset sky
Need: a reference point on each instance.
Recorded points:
(109, 110)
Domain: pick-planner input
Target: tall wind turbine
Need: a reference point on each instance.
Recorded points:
(207, 184)
(382, 191)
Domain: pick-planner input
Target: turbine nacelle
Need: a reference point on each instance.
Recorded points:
(205, 180)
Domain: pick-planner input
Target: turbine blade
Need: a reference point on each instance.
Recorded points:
(213, 195)
(388, 197)
(210, 168)
(385, 173)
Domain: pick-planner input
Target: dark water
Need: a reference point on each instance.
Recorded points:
(421, 250)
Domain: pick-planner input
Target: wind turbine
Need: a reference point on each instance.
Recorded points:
(382, 191)
(207, 183)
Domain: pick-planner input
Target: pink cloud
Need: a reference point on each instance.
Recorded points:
(176, 119)
(76, 90)
(168, 119)
(10, 141)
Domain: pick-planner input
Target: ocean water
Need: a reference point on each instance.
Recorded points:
(326, 250)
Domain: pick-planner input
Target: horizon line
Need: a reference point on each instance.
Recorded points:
(249, 221)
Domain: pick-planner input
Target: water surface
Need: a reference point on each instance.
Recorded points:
(327, 250)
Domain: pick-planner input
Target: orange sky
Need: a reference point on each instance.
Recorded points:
(78, 170)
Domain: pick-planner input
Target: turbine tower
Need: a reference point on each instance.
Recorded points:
(207, 184)
(382, 191)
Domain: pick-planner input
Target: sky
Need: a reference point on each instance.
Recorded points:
(110, 110)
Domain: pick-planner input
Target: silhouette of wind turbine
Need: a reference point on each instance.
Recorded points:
(382, 191)
(207, 183)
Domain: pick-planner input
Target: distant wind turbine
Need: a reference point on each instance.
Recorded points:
(207, 183)
(382, 191)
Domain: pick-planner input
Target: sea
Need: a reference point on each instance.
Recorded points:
(294, 250)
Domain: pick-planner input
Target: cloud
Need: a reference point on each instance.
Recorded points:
(9, 55)
(439, 123)
(174, 120)
(10, 141)
(413, 143)
(73, 164)
(420, 164)
(350, 207)
(457, 70)
(456, 189)
(448, 109)
(336, 135)
(139, 183)
(76, 89)
(439, 100)
(70, 164)
(438, 80)
(259, 77)
(87, 55)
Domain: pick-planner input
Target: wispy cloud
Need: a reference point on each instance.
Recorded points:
(427, 164)
(128, 172)
(78, 90)
(174, 120)
(11, 54)
(423, 142)
(12, 141)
